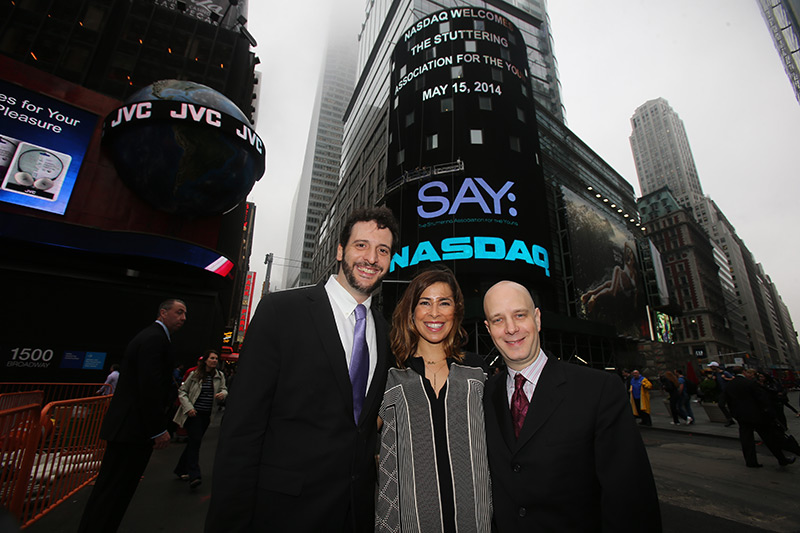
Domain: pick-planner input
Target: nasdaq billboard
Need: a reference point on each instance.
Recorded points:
(464, 174)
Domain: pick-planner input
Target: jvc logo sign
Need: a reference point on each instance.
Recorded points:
(472, 191)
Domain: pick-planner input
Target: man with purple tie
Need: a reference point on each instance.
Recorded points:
(564, 452)
(297, 444)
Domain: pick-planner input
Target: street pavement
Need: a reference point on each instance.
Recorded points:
(164, 503)
(659, 410)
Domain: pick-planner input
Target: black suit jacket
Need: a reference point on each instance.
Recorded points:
(138, 408)
(290, 456)
(748, 401)
(579, 463)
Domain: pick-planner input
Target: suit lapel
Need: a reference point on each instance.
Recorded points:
(502, 411)
(377, 385)
(321, 314)
(546, 398)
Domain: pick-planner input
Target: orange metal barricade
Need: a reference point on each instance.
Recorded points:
(9, 400)
(61, 457)
(54, 392)
(18, 427)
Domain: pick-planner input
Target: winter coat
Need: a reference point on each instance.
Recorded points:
(190, 390)
(645, 399)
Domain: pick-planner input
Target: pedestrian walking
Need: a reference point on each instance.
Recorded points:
(198, 395)
(752, 410)
(639, 391)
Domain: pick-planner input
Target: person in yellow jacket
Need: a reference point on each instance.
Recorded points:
(640, 397)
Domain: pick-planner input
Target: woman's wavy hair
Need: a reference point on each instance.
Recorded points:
(201, 370)
(405, 337)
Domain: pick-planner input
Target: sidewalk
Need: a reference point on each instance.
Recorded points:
(659, 412)
(162, 503)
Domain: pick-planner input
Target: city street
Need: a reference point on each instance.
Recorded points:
(703, 484)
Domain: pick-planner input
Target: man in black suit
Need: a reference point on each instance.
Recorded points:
(297, 446)
(136, 420)
(751, 408)
(564, 452)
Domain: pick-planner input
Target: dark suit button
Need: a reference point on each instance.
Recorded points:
(354, 477)
(522, 511)
(516, 467)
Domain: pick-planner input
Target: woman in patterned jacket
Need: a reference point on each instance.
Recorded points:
(433, 471)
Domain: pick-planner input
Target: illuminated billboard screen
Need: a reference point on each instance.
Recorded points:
(464, 174)
(662, 328)
(607, 278)
(42, 145)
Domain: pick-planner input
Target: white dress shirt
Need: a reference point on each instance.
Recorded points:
(531, 373)
(344, 307)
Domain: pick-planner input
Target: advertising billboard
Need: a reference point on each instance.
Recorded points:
(607, 277)
(247, 304)
(464, 174)
(42, 145)
(662, 328)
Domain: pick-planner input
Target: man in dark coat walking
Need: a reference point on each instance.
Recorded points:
(750, 407)
(136, 421)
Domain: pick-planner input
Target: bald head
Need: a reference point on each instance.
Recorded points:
(513, 322)
(501, 290)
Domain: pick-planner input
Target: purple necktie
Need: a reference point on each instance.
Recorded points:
(519, 404)
(359, 363)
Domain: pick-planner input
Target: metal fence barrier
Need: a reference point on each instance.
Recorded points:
(54, 392)
(18, 427)
(9, 400)
(52, 455)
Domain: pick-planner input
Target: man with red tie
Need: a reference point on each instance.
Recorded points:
(564, 452)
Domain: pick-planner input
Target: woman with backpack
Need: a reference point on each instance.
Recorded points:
(670, 384)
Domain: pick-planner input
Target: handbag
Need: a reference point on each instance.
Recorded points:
(789, 443)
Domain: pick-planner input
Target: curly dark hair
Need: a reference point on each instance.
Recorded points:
(405, 337)
(382, 216)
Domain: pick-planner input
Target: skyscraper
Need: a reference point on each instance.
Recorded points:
(587, 225)
(366, 137)
(662, 154)
(664, 160)
(321, 167)
(783, 19)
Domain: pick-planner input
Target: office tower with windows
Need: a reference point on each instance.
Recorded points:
(585, 211)
(692, 273)
(662, 153)
(783, 20)
(320, 175)
(366, 136)
(664, 160)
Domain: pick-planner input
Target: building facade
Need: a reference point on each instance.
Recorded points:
(590, 220)
(664, 162)
(700, 325)
(108, 245)
(320, 175)
(783, 20)
(662, 154)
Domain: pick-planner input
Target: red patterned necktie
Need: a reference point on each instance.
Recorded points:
(519, 404)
